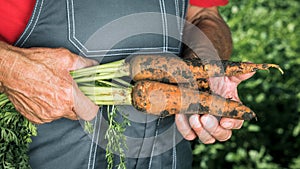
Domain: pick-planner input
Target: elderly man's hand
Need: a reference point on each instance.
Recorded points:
(218, 38)
(38, 83)
(206, 127)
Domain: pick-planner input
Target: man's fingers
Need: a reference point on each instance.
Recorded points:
(204, 136)
(229, 123)
(211, 125)
(83, 106)
(184, 127)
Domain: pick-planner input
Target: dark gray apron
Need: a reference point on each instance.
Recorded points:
(108, 30)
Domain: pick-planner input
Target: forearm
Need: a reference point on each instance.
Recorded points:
(211, 23)
(8, 56)
(195, 12)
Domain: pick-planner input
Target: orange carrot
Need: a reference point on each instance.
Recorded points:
(215, 68)
(166, 99)
(170, 69)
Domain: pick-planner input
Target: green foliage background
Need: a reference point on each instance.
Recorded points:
(263, 31)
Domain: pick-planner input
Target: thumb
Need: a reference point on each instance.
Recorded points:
(239, 78)
(246, 76)
(84, 62)
(83, 106)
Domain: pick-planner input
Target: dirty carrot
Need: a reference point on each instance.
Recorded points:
(169, 69)
(217, 68)
(167, 99)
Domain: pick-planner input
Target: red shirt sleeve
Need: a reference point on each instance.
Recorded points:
(208, 3)
(14, 17)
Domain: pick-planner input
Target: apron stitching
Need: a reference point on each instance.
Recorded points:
(154, 143)
(146, 48)
(182, 22)
(95, 151)
(166, 25)
(182, 15)
(177, 14)
(29, 23)
(74, 27)
(92, 144)
(129, 53)
(70, 28)
(174, 149)
(78, 44)
(97, 55)
(34, 24)
(163, 26)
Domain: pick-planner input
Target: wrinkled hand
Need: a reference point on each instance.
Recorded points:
(38, 83)
(207, 127)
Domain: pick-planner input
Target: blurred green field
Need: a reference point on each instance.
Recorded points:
(263, 32)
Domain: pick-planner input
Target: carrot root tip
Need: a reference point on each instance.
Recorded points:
(276, 67)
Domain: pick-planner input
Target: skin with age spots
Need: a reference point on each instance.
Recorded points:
(37, 81)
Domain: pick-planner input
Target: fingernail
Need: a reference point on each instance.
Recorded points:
(227, 136)
(210, 141)
(227, 125)
(190, 137)
(208, 121)
(196, 124)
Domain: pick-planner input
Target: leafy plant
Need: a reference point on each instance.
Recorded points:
(16, 132)
(116, 140)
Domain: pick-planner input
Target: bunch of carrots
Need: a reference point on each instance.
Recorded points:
(162, 85)
(165, 85)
